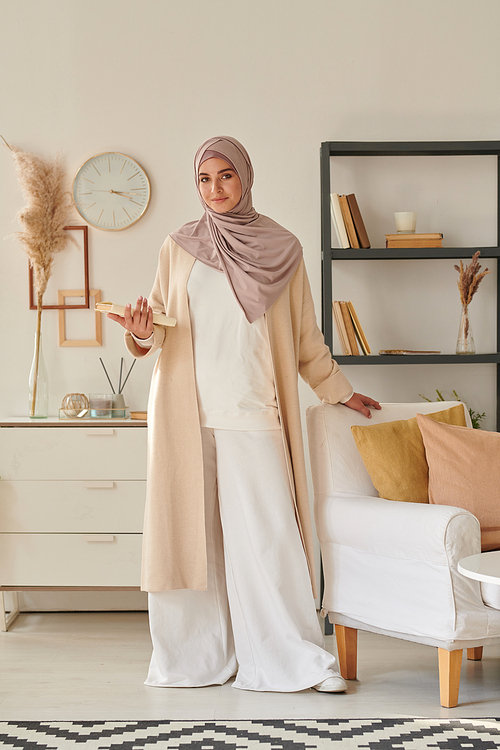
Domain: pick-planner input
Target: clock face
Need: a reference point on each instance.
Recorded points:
(111, 191)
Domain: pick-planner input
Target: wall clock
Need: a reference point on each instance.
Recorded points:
(111, 191)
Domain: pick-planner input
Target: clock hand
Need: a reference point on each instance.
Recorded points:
(116, 192)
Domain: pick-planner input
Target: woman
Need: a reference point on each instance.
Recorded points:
(227, 555)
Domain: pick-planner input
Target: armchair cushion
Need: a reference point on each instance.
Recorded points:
(394, 456)
(464, 471)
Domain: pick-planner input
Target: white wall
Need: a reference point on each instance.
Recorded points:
(154, 79)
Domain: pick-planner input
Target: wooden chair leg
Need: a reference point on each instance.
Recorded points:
(475, 654)
(449, 676)
(347, 647)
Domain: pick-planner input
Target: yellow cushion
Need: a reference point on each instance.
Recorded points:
(464, 470)
(394, 455)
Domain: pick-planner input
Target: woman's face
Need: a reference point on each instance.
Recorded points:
(219, 184)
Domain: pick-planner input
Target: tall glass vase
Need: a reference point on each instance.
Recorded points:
(38, 404)
(465, 340)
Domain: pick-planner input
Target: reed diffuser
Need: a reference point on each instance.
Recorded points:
(119, 408)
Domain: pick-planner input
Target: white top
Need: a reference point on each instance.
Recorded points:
(233, 365)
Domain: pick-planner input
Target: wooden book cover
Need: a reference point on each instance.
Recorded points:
(341, 329)
(420, 239)
(351, 333)
(110, 307)
(359, 331)
(358, 221)
(338, 221)
(346, 213)
(414, 243)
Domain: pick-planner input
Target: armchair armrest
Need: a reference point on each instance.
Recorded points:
(419, 531)
(393, 566)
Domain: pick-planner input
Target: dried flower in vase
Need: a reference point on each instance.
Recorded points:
(47, 211)
(470, 278)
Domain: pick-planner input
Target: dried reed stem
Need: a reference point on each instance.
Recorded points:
(469, 279)
(47, 212)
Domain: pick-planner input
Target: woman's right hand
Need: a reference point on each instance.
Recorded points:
(139, 322)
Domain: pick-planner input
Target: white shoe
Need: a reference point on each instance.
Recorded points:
(331, 685)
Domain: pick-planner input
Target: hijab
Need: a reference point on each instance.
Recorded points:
(257, 255)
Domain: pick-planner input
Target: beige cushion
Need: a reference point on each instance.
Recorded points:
(464, 470)
(394, 456)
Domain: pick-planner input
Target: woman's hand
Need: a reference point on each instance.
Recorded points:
(139, 322)
(358, 402)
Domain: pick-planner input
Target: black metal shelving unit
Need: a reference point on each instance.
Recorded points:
(434, 148)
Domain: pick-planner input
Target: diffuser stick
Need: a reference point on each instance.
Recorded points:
(120, 381)
(128, 373)
(109, 381)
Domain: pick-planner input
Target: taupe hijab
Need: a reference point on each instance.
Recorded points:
(257, 255)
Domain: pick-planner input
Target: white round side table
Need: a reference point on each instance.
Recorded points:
(483, 567)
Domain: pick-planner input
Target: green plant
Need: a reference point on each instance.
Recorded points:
(475, 417)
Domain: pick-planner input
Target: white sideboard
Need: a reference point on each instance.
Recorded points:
(72, 496)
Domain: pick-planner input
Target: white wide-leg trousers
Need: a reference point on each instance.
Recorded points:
(257, 619)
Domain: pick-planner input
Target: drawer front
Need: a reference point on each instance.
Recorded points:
(73, 453)
(70, 559)
(89, 506)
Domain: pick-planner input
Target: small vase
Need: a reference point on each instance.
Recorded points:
(465, 340)
(38, 384)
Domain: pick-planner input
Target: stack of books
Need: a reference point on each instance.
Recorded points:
(434, 239)
(347, 221)
(349, 329)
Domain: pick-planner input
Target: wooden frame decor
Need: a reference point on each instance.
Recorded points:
(86, 293)
(63, 341)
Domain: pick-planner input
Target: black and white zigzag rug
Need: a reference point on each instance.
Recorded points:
(279, 734)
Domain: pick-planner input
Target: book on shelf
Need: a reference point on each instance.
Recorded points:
(359, 225)
(110, 307)
(341, 329)
(348, 221)
(432, 239)
(408, 351)
(349, 329)
(359, 331)
(349, 326)
(338, 220)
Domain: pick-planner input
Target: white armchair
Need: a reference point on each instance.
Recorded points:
(391, 567)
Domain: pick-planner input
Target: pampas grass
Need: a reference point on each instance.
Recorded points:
(470, 278)
(47, 212)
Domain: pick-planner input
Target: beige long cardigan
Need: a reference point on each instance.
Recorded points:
(174, 551)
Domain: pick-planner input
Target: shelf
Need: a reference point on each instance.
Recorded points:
(412, 253)
(412, 148)
(417, 359)
(339, 149)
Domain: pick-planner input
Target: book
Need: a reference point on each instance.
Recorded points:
(341, 329)
(358, 221)
(349, 326)
(359, 331)
(433, 239)
(338, 221)
(408, 351)
(349, 224)
(349, 329)
(110, 307)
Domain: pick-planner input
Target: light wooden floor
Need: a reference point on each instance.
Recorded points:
(85, 666)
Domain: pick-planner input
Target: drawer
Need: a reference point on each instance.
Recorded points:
(70, 559)
(88, 506)
(73, 453)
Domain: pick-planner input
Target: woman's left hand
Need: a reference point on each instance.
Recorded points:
(358, 402)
